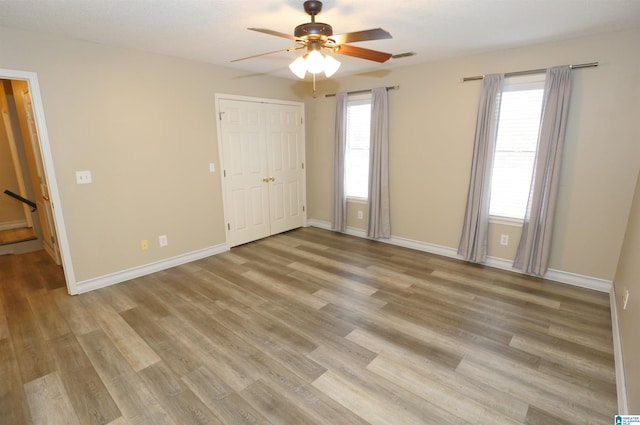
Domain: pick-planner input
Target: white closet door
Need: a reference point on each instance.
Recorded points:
(262, 148)
(245, 168)
(285, 152)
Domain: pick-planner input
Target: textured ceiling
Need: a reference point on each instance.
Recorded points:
(214, 31)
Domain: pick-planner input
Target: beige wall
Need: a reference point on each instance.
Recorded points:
(145, 126)
(432, 122)
(628, 277)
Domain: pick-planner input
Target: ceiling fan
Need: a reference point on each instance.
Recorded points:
(317, 37)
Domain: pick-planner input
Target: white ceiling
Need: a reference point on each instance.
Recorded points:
(214, 31)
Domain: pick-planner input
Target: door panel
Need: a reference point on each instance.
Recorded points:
(294, 198)
(31, 142)
(9, 134)
(284, 130)
(245, 166)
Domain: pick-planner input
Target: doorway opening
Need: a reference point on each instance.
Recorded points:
(20, 229)
(30, 202)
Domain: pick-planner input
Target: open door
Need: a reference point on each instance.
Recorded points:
(7, 128)
(59, 246)
(31, 142)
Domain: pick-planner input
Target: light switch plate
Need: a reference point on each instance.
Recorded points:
(83, 177)
(212, 167)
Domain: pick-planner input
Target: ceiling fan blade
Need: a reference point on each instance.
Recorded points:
(366, 35)
(268, 53)
(359, 52)
(276, 33)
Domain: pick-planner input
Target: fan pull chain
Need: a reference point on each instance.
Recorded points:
(314, 86)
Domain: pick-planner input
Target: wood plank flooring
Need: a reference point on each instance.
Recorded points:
(306, 327)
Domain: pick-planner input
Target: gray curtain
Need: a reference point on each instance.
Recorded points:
(473, 242)
(532, 255)
(379, 224)
(339, 213)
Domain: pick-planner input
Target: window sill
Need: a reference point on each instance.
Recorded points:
(506, 221)
(354, 200)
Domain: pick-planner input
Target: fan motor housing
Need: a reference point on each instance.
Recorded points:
(313, 30)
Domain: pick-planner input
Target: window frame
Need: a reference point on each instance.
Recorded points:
(516, 83)
(352, 100)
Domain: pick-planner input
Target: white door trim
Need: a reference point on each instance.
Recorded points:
(47, 160)
(254, 99)
(220, 96)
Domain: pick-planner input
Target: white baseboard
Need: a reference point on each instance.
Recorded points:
(312, 222)
(13, 225)
(621, 384)
(582, 281)
(588, 282)
(132, 273)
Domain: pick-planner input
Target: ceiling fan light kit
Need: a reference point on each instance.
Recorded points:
(314, 62)
(316, 36)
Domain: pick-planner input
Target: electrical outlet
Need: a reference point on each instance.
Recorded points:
(504, 240)
(625, 299)
(144, 244)
(83, 177)
(360, 215)
(162, 239)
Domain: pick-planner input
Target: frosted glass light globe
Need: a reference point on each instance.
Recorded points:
(315, 62)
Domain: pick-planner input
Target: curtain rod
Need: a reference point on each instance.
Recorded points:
(363, 91)
(531, 71)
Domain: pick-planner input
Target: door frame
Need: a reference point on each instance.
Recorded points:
(225, 201)
(47, 160)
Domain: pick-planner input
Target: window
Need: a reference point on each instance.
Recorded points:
(516, 144)
(356, 173)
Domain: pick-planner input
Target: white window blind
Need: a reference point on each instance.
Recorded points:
(516, 144)
(357, 155)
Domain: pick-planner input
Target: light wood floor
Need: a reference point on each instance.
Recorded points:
(307, 327)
